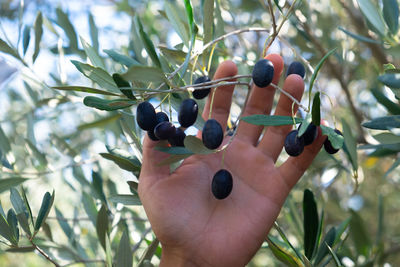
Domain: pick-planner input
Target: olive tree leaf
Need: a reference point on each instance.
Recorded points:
(372, 14)
(317, 69)
(208, 23)
(108, 105)
(270, 120)
(178, 25)
(323, 249)
(304, 125)
(97, 75)
(26, 37)
(391, 80)
(128, 164)
(148, 253)
(94, 33)
(127, 200)
(148, 44)
(391, 15)
(92, 54)
(385, 101)
(196, 146)
(38, 26)
(283, 254)
(124, 257)
(102, 225)
(359, 37)
(120, 58)
(350, 144)
(316, 110)
(64, 22)
(7, 183)
(44, 210)
(84, 89)
(144, 74)
(13, 223)
(383, 123)
(5, 48)
(311, 222)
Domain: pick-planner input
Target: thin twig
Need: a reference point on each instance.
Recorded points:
(291, 97)
(44, 254)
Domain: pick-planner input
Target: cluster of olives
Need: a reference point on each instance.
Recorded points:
(159, 127)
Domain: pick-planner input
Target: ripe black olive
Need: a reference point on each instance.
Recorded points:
(294, 145)
(222, 184)
(187, 113)
(164, 130)
(310, 134)
(178, 138)
(328, 145)
(296, 68)
(212, 134)
(201, 93)
(146, 116)
(263, 73)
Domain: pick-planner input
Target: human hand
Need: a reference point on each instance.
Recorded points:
(195, 228)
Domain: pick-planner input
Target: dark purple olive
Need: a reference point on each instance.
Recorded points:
(146, 116)
(263, 73)
(187, 113)
(310, 134)
(201, 93)
(164, 130)
(294, 145)
(178, 138)
(160, 117)
(328, 145)
(212, 134)
(222, 183)
(296, 68)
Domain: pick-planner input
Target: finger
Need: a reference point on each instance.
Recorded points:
(260, 102)
(294, 167)
(151, 170)
(222, 95)
(274, 137)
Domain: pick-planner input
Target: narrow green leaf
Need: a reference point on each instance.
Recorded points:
(171, 11)
(270, 120)
(120, 58)
(391, 80)
(148, 44)
(108, 251)
(123, 86)
(351, 144)
(97, 186)
(90, 207)
(5, 230)
(383, 123)
(13, 223)
(102, 225)
(323, 249)
(174, 150)
(97, 75)
(63, 223)
(304, 125)
(189, 14)
(128, 164)
(391, 15)
(148, 253)
(219, 26)
(283, 254)
(5, 48)
(108, 105)
(277, 4)
(2, 211)
(38, 26)
(26, 37)
(21, 249)
(64, 22)
(311, 223)
(101, 123)
(316, 110)
(317, 69)
(387, 138)
(144, 74)
(392, 107)
(196, 146)
(17, 201)
(44, 210)
(84, 89)
(23, 221)
(7, 183)
(127, 200)
(94, 34)
(336, 139)
(28, 207)
(63, 146)
(371, 13)
(92, 54)
(359, 37)
(359, 234)
(124, 257)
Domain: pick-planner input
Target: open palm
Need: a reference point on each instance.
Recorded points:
(194, 227)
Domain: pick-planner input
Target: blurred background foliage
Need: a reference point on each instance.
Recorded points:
(91, 158)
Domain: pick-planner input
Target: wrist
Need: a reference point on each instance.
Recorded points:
(171, 258)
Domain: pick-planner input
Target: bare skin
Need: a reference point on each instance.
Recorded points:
(196, 229)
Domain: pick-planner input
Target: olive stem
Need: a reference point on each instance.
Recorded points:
(291, 97)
